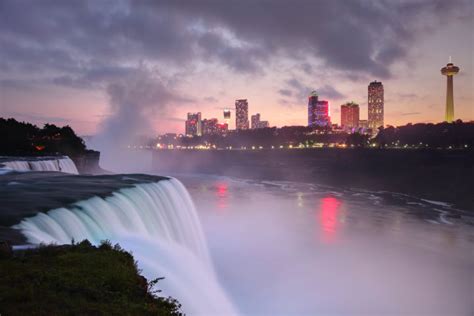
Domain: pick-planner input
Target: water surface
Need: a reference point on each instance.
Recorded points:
(302, 249)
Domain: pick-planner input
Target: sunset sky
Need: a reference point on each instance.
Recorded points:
(145, 64)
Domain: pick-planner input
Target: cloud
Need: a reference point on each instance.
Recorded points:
(330, 92)
(285, 92)
(367, 37)
(210, 99)
(300, 91)
(410, 113)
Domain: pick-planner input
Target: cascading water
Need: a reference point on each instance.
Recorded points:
(159, 224)
(63, 164)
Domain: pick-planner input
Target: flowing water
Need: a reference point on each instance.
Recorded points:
(62, 164)
(281, 248)
(158, 223)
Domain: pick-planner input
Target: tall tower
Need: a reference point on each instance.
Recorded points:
(241, 114)
(375, 102)
(449, 71)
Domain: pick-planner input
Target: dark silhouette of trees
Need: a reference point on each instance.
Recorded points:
(441, 135)
(21, 138)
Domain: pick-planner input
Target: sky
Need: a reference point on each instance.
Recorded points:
(140, 66)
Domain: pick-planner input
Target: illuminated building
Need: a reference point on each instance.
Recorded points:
(364, 124)
(222, 129)
(241, 114)
(449, 71)
(256, 123)
(209, 126)
(263, 124)
(350, 116)
(212, 127)
(193, 124)
(318, 111)
(375, 102)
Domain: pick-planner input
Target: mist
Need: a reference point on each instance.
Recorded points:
(284, 248)
(136, 100)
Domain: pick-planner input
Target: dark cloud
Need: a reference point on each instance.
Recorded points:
(67, 37)
(300, 91)
(329, 92)
(285, 92)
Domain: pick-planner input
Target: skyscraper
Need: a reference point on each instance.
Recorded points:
(241, 114)
(350, 115)
(318, 111)
(376, 102)
(449, 71)
(193, 124)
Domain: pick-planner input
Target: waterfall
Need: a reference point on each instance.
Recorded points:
(158, 223)
(62, 164)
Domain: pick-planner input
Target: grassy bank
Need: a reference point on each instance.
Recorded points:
(77, 279)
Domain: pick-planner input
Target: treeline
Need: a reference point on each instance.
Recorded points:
(21, 138)
(442, 135)
(266, 137)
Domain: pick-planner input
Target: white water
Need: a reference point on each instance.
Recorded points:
(159, 224)
(63, 164)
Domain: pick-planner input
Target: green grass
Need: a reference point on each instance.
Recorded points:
(78, 279)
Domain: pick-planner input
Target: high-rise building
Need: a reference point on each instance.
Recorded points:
(350, 116)
(318, 111)
(241, 114)
(255, 121)
(449, 71)
(312, 108)
(193, 124)
(376, 108)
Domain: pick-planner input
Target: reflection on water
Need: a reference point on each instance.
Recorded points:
(221, 193)
(329, 218)
(374, 253)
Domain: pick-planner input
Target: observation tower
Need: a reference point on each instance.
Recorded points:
(449, 71)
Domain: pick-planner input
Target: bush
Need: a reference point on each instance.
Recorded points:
(78, 279)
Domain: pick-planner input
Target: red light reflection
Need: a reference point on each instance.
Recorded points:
(328, 218)
(222, 194)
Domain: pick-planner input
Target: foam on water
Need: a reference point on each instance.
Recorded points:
(62, 164)
(159, 224)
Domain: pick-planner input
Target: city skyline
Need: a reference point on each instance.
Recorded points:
(204, 58)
